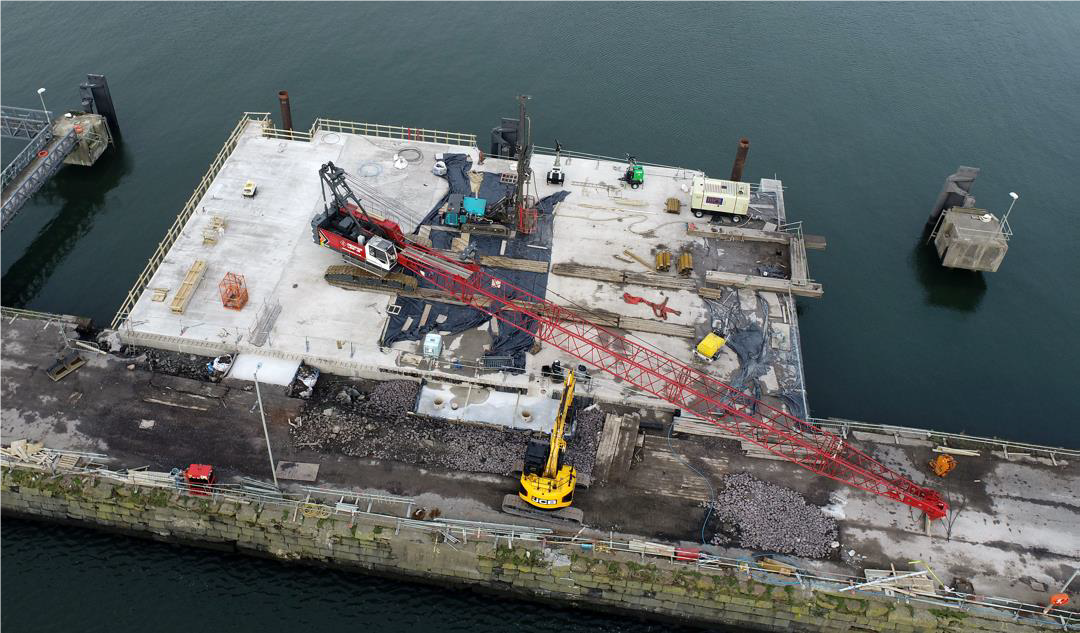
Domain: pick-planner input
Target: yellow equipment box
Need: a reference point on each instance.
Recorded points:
(710, 346)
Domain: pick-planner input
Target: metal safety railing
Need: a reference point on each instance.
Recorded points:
(996, 229)
(261, 118)
(24, 123)
(565, 153)
(16, 313)
(286, 135)
(394, 131)
(326, 503)
(844, 428)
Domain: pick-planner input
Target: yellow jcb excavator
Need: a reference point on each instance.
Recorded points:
(547, 482)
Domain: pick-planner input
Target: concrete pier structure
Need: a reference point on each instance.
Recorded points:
(973, 239)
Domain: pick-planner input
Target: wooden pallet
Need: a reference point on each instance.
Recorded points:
(187, 288)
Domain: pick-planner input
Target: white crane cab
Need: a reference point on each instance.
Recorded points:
(381, 252)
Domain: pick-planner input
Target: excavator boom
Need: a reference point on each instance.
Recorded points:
(551, 469)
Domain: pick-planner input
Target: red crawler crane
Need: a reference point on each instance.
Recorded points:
(642, 366)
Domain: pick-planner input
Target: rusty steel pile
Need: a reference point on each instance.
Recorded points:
(763, 516)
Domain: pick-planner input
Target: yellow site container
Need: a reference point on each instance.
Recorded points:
(710, 346)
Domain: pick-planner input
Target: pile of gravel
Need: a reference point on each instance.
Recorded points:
(378, 424)
(393, 396)
(763, 516)
(172, 363)
(581, 449)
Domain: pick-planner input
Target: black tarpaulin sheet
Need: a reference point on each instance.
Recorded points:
(458, 167)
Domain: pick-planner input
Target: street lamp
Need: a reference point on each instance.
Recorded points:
(1014, 196)
(41, 95)
(258, 396)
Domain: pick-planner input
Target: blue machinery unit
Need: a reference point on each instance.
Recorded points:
(461, 209)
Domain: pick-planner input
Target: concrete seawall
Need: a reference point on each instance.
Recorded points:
(594, 578)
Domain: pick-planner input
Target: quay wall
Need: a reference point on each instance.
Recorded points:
(379, 544)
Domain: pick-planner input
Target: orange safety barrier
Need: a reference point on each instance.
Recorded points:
(234, 294)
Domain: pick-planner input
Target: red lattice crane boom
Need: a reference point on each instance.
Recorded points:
(638, 364)
(679, 384)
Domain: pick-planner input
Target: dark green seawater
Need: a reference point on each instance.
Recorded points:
(861, 109)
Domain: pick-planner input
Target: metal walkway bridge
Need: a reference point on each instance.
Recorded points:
(43, 155)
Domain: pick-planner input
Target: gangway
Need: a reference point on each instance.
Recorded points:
(37, 162)
(76, 138)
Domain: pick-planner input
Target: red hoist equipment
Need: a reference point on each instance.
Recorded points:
(628, 360)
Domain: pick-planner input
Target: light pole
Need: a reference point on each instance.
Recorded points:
(266, 433)
(41, 95)
(1015, 196)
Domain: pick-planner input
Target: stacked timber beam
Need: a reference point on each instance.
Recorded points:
(735, 234)
(600, 273)
(757, 282)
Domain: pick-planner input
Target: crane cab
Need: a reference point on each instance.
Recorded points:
(381, 252)
(343, 233)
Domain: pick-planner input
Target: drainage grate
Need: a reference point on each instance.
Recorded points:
(496, 362)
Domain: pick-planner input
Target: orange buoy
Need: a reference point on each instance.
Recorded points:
(78, 129)
(1056, 600)
(42, 154)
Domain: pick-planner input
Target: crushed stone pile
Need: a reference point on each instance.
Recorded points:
(581, 450)
(172, 363)
(764, 516)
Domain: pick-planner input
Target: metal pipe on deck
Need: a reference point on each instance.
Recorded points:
(740, 159)
(286, 110)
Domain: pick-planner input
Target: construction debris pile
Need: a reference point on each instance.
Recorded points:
(379, 425)
(763, 516)
(393, 397)
(581, 450)
(172, 363)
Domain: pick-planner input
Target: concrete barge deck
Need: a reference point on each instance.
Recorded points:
(1011, 532)
(293, 313)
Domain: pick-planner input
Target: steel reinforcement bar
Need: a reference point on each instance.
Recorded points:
(185, 213)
